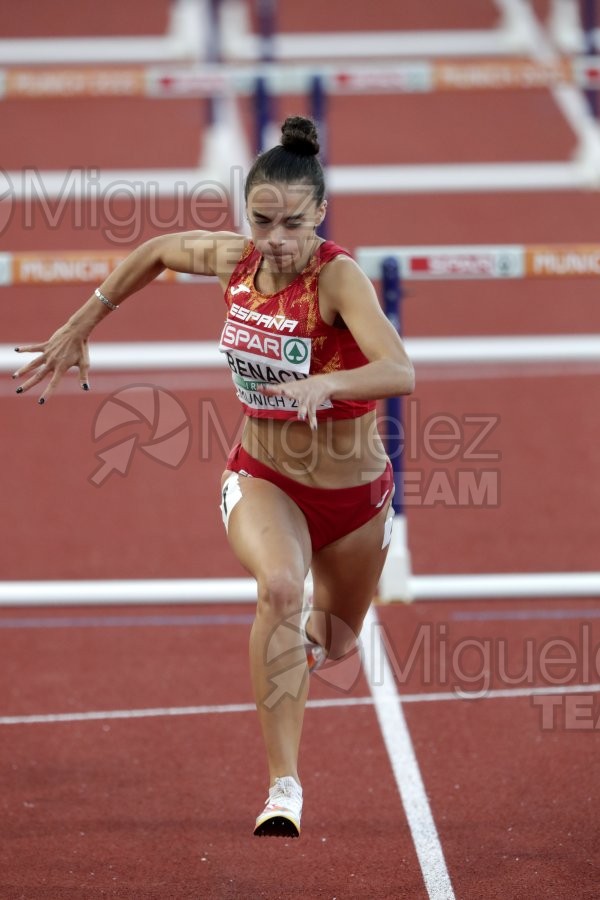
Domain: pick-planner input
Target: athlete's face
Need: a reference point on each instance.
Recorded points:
(283, 219)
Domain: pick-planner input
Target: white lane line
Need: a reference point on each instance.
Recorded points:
(99, 715)
(326, 703)
(405, 767)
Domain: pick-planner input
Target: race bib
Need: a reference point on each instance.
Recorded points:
(257, 358)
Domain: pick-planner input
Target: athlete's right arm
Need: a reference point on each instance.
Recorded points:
(193, 252)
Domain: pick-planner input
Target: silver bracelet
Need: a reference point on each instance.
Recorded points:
(104, 299)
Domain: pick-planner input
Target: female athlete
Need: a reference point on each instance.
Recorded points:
(309, 486)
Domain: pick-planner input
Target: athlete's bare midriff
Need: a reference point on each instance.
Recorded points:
(340, 453)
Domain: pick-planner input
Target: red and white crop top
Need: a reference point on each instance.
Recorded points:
(282, 337)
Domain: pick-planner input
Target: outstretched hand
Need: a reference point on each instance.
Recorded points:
(66, 348)
(309, 394)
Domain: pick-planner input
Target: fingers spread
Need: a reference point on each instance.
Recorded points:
(57, 355)
(30, 348)
(53, 382)
(35, 379)
(34, 364)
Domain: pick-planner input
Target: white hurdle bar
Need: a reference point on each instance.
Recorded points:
(185, 36)
(134, 592)
(580, 174)
(176, 356)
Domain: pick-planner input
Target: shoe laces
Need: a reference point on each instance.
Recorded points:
(285, 788)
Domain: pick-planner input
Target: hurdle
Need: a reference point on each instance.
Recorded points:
(469, 262)
(464, 262)
(188, 25)
(519, 32)
(526, 353)
(565, 78)
(241, 44)
(395, 265)
(145, 592)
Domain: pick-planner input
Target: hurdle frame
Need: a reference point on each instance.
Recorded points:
(394, 265)
(504, 262)
(240, 44)
(581, 172)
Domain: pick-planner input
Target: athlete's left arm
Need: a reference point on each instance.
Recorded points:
(345, 290)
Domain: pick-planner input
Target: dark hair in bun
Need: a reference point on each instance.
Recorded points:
(293, 161)
(299, 135)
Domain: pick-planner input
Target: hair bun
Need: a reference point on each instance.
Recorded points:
(299, 136)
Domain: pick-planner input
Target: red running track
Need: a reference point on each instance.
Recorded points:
(163, 805)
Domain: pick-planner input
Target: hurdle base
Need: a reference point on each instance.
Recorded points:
(225, 152)
(395, 581)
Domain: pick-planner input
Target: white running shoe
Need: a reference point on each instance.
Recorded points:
(283, 810)
(315, 654)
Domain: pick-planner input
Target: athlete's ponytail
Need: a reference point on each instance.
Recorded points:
(292, 161)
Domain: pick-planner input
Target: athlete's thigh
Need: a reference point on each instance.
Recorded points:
(267, 530)
(346, 573)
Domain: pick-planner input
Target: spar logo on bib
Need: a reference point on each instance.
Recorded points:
(295, 351)
(254, 345)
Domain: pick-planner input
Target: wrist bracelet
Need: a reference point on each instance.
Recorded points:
(104, 299)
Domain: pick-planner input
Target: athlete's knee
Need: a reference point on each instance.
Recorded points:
(280, 593)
